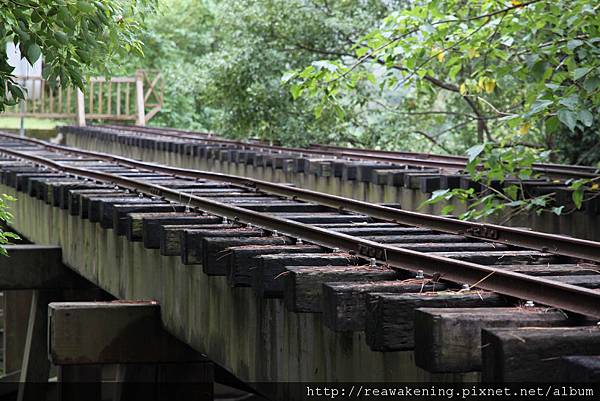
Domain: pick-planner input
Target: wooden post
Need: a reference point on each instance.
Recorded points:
(35, 367)
(16, 309)
(80, 108)
(139, 99)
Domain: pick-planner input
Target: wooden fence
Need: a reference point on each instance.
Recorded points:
(135, 99)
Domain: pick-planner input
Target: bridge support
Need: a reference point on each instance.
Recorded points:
(34, 276)
(37, 267)
(35, 368)
(130, 334)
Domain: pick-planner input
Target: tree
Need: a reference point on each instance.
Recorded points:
(514, 76)
(223, 62)
(74, 36)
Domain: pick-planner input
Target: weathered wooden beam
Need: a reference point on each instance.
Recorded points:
(171, 236)
(449, 339)
(267, 278)
(118, 220)
(580, 369)
(389, 324)
(242, 259)
(75, 199)
(152, 227)
(215, 250)
(532, 354)
(37, 267)
(303, 284)
(134, 222)
(112, 332)
(192, 251)
(344, 307)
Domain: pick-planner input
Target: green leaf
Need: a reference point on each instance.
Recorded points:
(578, 198)
(591, 83)
(574, 44)
(446, 210)
(512, 191)
(475, 151)
(580, 72)
(33, 53)
(296, 91)
(571, 102)
(288, 76)
(361, 51)
(568, 118)
(558, 210)
(586, 118)
(319, 110)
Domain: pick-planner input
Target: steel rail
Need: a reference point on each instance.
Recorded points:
(552, 243)
(554, 170)
(563, 296)
(308, 151)
(449, 162)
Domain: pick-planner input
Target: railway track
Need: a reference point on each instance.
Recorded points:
(364, 267)
(419, 243)
(450, 163)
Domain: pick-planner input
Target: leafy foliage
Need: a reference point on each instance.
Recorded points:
(73, 35)
(5, 218)
(224, 61)
(519, 75)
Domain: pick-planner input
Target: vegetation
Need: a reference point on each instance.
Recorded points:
(516, 77)
(509, 82)
(73, 35)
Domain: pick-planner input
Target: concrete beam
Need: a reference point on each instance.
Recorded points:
(112, 332)
(37, 267)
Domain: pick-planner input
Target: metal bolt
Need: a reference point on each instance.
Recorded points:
(373, 262)
(275, 233)
(420, 274)
(335, 250)
(299, 241)
(529, 304)
(140, 195)
(466, 287)
(225, 221)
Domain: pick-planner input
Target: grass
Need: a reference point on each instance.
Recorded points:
(30, 123)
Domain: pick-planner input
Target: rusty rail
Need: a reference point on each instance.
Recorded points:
(447, 162)
(572, 298)
(557, 244)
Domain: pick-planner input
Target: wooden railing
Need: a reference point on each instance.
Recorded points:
(135, 99)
